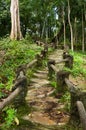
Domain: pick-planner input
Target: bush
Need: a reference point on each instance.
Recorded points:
(9, 118)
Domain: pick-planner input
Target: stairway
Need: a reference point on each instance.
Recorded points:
(45, 108)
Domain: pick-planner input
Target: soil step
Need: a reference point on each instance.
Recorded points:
(39, 118)
(39, 93)
(57, 55)
(37, 85)
(40, 81)
(42, 71)
(39, 75)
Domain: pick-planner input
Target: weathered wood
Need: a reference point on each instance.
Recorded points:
(60, 80)
(32, 63)
(44, 53)
(20, 75)
(54, 68)
(39, 60)
(82, 113)
(19, 89)
(76, 94)
(69, 62)
(71, 86)
(39, 43)
(20, 71)
(19, 82)
(26, 66)
(74, 91)
(50, 73)
(10, 98)
(81, 96)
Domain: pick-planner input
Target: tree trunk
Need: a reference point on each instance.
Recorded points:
(15, 21)
(71, 29)
(46, 31)
(64, 28)
(75, 31)
(83, 46)
(43, 29)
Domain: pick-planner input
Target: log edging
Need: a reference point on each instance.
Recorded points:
(62, 79)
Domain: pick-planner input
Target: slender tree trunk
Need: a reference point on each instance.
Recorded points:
(40, 29)
(46, 34)
(85, 22)
(46, 30)
(75, 31)
(71, 29)
(43, 29)
(83, 38)
(15, 21)
(64, 28)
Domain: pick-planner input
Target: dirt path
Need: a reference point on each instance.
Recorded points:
(46, 108)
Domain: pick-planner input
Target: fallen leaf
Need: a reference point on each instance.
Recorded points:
(16, 121)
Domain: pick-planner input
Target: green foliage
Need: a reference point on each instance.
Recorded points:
(9, 119)
(9, 83)
(4, 17)
(66, 100)
(50, 49)
(28, 37)
(16, 54)
(43, 19)
(1, 94)
(1, 85)
(79, 64)
(46, 20)
(29, 74)
(53, 84)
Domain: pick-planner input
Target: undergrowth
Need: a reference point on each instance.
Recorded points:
(79, 66)
(15, 53)
(66, 100)
(10, 114)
